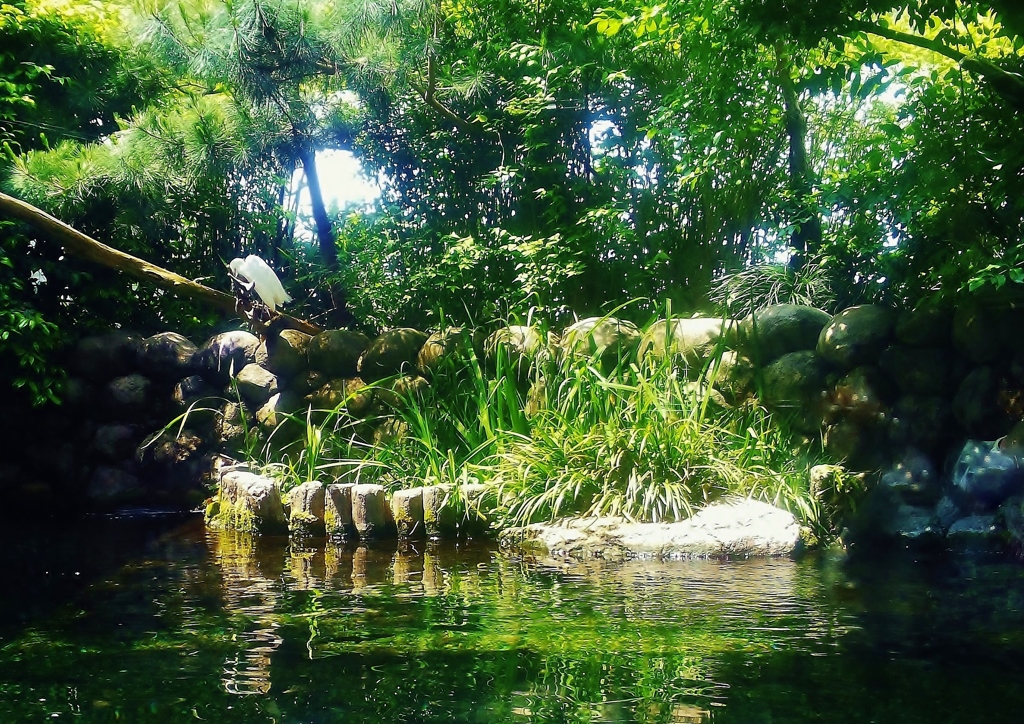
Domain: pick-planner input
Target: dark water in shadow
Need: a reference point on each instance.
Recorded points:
(158, 620)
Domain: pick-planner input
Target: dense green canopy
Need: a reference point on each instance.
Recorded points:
(556, 157)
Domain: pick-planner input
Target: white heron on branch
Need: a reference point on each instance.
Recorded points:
(252, 273)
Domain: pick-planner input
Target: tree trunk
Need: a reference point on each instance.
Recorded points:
(324, 228)
(806, 237)
(325, 238)
(77, 243)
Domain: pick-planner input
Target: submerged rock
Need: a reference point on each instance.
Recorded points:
(725, 529)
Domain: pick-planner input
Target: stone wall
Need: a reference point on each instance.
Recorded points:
(898, 394)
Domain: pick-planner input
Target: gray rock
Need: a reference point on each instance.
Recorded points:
(725, 529)
(402, 390)
(336, 352)
(987, 476)
(407, 510)
(285, 353)
(256, 385)
(248, 502)
(351, 393)
(440, 517)
(735, 376)
(947, 511)
(692, 341)
(861, 395)
(306, 508)
(190, 390)
(170, 447)
(392, 353)
(224, 355)
(308, 382)
(447, 350)
(104, 357)
(281, 407)
(975, 531)
(167, 355)
(232, 424)
(795, 380)
(928, 326)
(917, 370)
(914, 524)
(128, 397)
(371, 514)
(615, 339)
(769, 333)
(913, 479)
(115, 442)
(516, 347)
(338, 511)
(856, 336)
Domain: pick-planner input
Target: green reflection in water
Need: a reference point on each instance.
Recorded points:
(220, 627)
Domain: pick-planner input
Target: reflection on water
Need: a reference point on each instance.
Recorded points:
(197, 625)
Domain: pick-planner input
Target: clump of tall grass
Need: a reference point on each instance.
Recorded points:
(646, 445)
(760, 285)
(642, 442)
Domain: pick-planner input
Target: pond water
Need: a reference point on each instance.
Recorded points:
(158, 620)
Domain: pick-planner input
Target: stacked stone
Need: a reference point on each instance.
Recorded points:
(345, 511)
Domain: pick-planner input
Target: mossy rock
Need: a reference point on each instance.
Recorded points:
(285, 354)
(392, 353)
(336, 352)
(350, 393)
(856, 336)
(778, 329)
(448, 349)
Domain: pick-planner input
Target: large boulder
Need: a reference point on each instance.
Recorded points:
(256, 385)
(392, 353)
(913, 479)
(927, 326)
(106, 356)
(167, 355)
(986, 475)
(724, 529)
(856, 336)
(861, 395)
(768, 333)
(284, 354)
(515, 347)
(225, 355)
(693, 341)
(350, 393)
(129, 397)
(448, 349)
(795, 380)
(917, 370)
(335, 353)
(615, 339)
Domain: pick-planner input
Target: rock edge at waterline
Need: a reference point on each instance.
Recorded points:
(740, 528)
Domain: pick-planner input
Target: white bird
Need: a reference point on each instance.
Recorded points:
(254, 272)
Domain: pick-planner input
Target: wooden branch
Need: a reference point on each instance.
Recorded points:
(77, 243)
(1007, 84)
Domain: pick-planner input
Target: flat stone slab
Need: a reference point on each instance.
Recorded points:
(725, 529)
